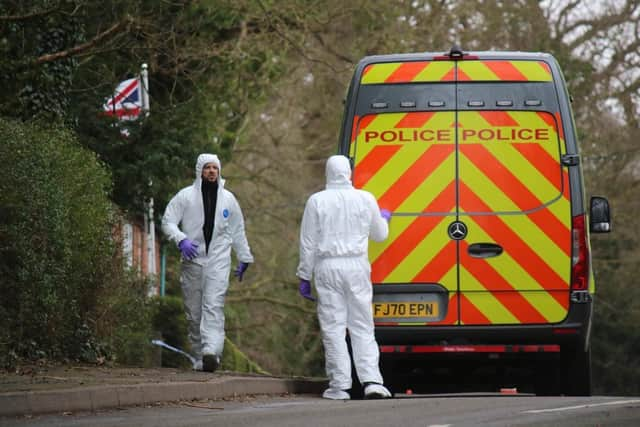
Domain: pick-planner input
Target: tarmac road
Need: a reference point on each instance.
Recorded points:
(472, 410)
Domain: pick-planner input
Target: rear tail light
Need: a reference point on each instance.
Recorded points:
(579, 255)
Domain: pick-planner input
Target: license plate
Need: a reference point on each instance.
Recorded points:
(405, 310)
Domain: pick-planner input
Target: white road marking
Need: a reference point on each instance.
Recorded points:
(588, 405)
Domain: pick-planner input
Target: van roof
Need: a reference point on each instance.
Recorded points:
(422, 56)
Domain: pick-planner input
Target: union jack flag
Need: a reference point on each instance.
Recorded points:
(126, 103)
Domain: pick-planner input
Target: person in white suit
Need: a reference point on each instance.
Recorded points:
(206, 222)
(334, 238)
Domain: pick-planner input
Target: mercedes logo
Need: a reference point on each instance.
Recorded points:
(457, 230)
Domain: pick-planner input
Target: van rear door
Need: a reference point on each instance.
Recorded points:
(515, 262)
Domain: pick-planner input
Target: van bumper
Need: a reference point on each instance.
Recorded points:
(573, 332)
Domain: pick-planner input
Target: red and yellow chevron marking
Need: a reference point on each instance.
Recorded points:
(434, 71)
(405, 159)
(527, 283)
(492, 144)
(405, 72)
(518, 71)
(418, 247)
(511, 189)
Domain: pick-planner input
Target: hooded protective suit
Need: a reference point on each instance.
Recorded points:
(334, 239)
(205, 278)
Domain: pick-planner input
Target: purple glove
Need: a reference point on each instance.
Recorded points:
(240, 269)
(188, 248)
(305, 290)
(384, 213)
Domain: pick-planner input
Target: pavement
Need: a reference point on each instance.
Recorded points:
(33, 390)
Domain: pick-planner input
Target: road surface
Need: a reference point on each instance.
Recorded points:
(311, 411)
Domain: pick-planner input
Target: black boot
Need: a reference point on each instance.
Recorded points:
(210, 362)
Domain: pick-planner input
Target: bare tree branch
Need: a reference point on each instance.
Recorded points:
(286, 38)
(28, 16)
(275, 301)
(329, 49)
(114, 29)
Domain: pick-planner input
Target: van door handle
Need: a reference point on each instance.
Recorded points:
(484, 250)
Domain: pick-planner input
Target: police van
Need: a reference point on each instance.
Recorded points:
(487, 264)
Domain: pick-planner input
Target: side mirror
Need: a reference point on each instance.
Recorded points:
(599, 215)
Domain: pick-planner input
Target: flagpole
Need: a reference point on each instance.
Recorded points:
(151, 241)
(144, 76)
(151, 269)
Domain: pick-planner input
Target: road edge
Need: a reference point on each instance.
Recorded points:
(83, 399)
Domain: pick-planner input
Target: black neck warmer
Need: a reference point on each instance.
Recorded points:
(209, 199)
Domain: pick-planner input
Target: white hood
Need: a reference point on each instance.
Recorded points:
(338, 172)
(203, 159)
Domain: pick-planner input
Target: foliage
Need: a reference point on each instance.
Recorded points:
(205, 67)
(170, 323)
(615, 341)
(612, 170)
(235, 360)
(56, 249)
(40, 92)
(124, 318)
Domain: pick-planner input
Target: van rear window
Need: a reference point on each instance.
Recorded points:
(445, 71)
(511, 160)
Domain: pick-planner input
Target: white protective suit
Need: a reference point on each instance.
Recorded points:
(205, 278)
(334, 239)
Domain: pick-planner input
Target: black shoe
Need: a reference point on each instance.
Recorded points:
(210, 362)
